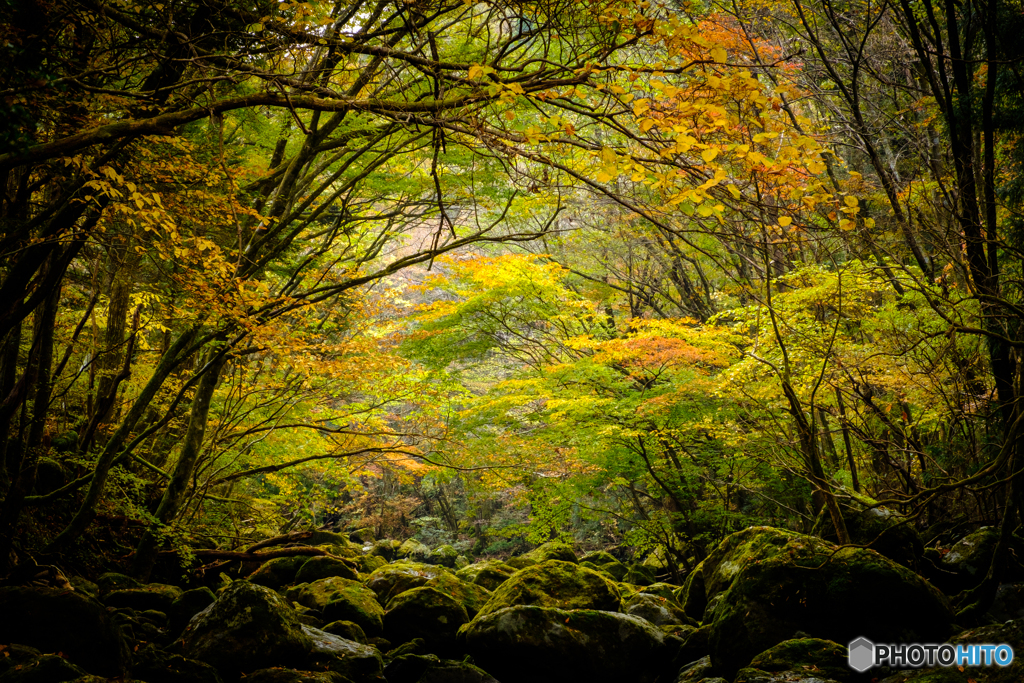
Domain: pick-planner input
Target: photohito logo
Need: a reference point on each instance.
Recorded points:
(863, 654)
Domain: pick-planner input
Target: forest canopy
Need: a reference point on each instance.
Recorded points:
(632, 274)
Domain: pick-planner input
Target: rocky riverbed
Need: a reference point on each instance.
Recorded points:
(766, 606)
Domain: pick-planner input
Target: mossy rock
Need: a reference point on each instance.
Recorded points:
(392, 579)
(187, 605)
(349, 630)
(413, 550)
(40, 668)
(85, 586)
(520, 562)
(278, 572)
(316, 568)
(444, 555)
(655, 609)
(808, 585)
(432, 669)
(552, 550)
(370, 563)
(426, 613)
(60, 620)
(490, 573)
(698, 670)
(881, 529)
(251, 627)
(715, 574)
(156, 596)
(342, 599)
(50, 476)
(531, 644)
(154, 665)
(812, 657)
(599, 570)
(555, 584)
(111, 581)
(970, 557)
(279, 675)
(469, 595)
(386, 548)
(639, 575)
(362, 536)
(662, 589)
(598, 557)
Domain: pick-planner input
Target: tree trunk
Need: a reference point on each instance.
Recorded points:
(177, 487)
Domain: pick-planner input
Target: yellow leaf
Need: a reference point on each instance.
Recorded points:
(850, 200)
(785, 221)
(709, 154)
(719, 55)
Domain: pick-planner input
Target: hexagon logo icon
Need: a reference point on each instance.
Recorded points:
(861, 656)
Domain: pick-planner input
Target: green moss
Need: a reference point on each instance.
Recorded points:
(392, 579)
(552, 550)
(489, 574)
(555, 584)
(426, 613)
(469, 595)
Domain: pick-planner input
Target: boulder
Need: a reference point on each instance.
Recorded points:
(111, 581)
(389, 581)
(606, 562)
(469, 595)
(970, 557)
(715, 574)
(1011, 633)
(698, 670)
(552, 550)
(157, 666)
(61, 620)
(555, 583)
(530, 644)
(639, 575)
(316, 568)
(333, 653)
(413, 550)
(490, 574)
(370, 563)
(1008, 603)
(277, 572)
(349, 630)
(664, 590)
(83, 585)
(414, 668)
(22, 664)
(518, 563)
(808, 585)
(426, 613)
(362, 536)
(880, 528)
(385, 548)
(655, 609)
(444, 555)
(801, 658)
(186, 606)
(341, 599)
(156, 596)
(251, 627)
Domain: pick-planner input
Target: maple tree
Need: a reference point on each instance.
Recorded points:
(680, 267)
